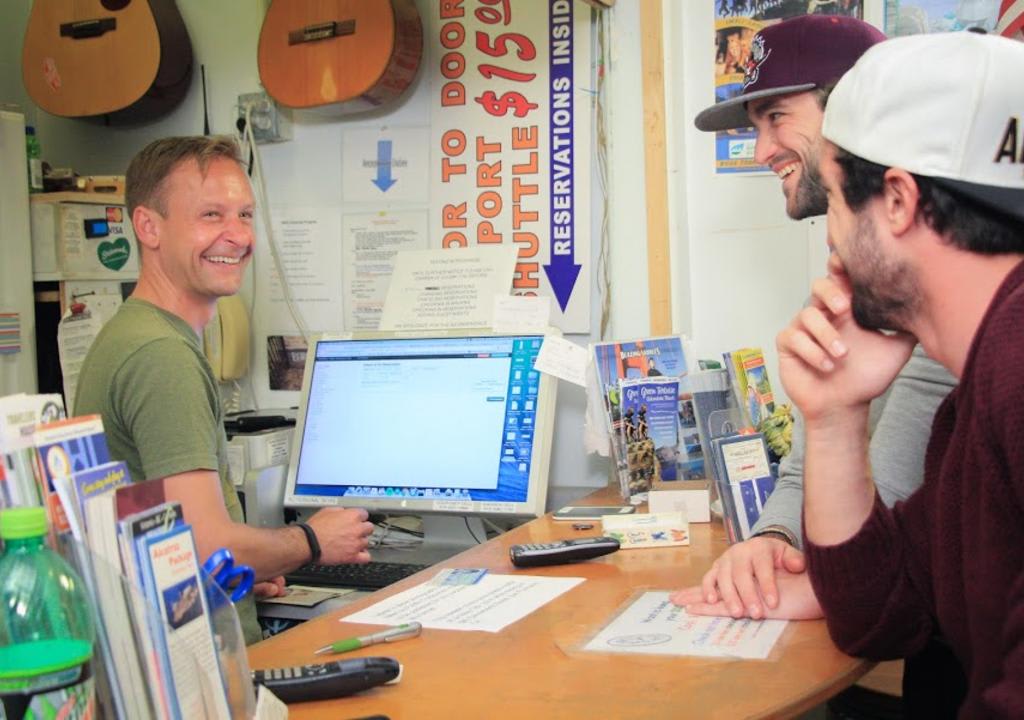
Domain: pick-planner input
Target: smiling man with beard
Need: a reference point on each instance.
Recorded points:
(793, 66)
(926, 219)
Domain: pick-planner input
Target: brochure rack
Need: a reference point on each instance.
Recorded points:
(117, 698)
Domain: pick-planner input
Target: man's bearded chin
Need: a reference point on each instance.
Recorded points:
(810, 199)
(884, 306)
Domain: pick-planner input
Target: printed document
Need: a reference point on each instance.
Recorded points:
(654, 625)
(447, 289)
(490, 604)
(75, 334)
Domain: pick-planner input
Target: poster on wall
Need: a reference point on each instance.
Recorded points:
(736, 23)
(510, 141)
(914, 17)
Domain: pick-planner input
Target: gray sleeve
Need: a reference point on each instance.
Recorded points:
(901, 420)
(901, 437)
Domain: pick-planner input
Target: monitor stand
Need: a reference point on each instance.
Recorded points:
(443, 537)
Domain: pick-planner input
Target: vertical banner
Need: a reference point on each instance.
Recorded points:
(510, 133)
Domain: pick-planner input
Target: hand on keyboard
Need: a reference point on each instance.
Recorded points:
(343, 534)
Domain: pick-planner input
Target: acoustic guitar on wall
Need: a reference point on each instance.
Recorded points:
(127, 60)
(342, 56)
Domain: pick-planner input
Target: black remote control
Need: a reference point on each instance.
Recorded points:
(327, 680)
(562, 551)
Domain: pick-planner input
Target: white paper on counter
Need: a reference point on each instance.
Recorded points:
(491, 604)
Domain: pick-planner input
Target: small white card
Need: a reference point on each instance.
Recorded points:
(690, 496)
(563, 359)
(458, 576)
(521, 314)
(647, 529)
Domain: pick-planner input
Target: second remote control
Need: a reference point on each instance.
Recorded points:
(562, 551)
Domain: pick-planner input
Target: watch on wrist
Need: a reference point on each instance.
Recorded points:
(314, 544)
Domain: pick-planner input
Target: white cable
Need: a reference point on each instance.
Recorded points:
(264, 210)
(234, 403)
(604, 280)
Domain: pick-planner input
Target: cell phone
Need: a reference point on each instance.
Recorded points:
(591, 512)
(561, 551)
(322, 681)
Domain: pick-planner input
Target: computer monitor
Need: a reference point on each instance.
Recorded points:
(449, 427)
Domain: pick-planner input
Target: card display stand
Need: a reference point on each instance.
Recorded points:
(126, 644)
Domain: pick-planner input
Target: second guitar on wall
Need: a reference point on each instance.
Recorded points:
(342, 56)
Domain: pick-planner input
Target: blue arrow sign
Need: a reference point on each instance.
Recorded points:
(562, 272)
(383, 179)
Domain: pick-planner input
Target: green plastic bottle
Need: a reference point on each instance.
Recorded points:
(46, 626)
(35, 160)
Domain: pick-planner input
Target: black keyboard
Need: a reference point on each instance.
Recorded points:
(369, 576)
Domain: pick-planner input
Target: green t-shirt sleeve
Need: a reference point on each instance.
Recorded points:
(168, 403)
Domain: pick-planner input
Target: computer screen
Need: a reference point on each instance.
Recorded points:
(444, 424)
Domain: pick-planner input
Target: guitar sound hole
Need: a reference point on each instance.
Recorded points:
(114, 5)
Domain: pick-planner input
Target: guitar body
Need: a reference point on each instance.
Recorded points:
(347, 55)
(126, 60)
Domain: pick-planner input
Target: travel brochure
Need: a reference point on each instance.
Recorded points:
(650, 430)
(652, 434)
(668, 418)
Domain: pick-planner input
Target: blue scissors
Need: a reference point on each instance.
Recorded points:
(236, 579)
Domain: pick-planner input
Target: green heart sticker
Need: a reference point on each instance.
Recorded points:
(115, 254)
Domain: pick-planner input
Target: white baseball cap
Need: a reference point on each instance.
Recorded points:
(947, 106)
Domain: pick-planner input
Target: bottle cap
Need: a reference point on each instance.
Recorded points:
(30, 130)
(21, 523)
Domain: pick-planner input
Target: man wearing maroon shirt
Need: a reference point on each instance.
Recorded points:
(923, 173)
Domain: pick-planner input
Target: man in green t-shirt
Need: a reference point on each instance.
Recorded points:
(192, 209)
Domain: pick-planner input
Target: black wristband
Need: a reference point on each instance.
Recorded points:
(781, 532)
(314, 544)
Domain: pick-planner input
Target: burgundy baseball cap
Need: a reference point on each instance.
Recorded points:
(794, 55)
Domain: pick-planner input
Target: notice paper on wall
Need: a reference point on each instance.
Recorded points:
(489, 605)
(564, 359)
(652, 624)
(515, 314)
(75, 334)
(450, 289)
(371, 241)
(308, 241)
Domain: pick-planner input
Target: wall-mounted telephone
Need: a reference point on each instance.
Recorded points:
(226, 339)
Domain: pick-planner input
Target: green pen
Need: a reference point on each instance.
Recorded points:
(399, 632)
